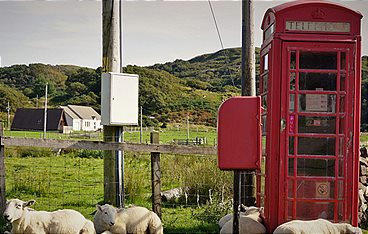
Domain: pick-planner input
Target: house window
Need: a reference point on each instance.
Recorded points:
(87, 124)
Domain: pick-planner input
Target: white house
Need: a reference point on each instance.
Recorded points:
(82, 118)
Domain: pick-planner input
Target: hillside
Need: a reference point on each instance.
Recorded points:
(168, 92)
(218, 72)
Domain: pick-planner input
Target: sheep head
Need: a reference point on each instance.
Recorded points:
(108, 214)
(14, 209)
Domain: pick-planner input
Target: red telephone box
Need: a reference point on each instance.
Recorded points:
(310, 91)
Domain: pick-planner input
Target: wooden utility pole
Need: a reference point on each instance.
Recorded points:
(248, 193)
(45, 114)
(244, 189)
(141, 126)
(111, 62)
(2, 170)
(8, 110)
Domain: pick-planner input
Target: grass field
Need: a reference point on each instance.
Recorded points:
(167, 135)
(74, 179)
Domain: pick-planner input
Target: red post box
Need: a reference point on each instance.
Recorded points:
(239, 134)
(310, 90)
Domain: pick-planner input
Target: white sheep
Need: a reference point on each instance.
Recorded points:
(250, 221)
(318, 226)
(137, 220)
(228, 217)
(26, 220)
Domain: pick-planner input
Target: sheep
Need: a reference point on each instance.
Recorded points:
(318, 226)
(27, 220)
(250, 221)
(228, 217)
(137, 220)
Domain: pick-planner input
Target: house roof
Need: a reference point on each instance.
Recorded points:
(69, 112)
(33, 119)
(83, 112)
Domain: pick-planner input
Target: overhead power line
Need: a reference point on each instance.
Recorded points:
(227, 60)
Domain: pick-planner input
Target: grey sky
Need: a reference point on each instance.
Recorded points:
(69, 32)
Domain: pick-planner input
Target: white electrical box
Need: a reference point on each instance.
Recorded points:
(119, 99)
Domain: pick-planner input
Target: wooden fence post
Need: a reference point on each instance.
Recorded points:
(156, 175)
(2, 170)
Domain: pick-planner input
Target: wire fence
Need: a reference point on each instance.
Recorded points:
(73, 178)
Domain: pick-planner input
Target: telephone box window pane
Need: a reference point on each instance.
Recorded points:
(343, 60)
(291, 146)
(264, 102)
(264, 122)
(341, 189)
(291, 166)
(318, 60)
(291, 102)
(316, 146)
(263, 145)
(314, 124)
(314, 210)
(342, 125)
(317, 81)
(316, 167)
(290, 189)
(315, 189)
(265, 62)
(341, 210)
(341, 168)
(265, 82)
(292, 60)
(342, 82)
(342, 104)
(317, 103)
(290, 210)
(341, 147)
(292, 80)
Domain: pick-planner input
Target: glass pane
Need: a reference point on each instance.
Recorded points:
(315, 189)
(290, 210)
(317, 103)
(341, 211)
(291, 146)
(318, 60)
(264, 102)
(265, 82)
(342, 104)
(343, 61)
(341, 189)
(292, 80)
(341, 168)
(317, 81)
(263, 145)
(265, 62)
(292, 60)
(316, 167)
(316, 146)
(310, 124)
(290, 188)
(341, 147)
(291, 124)
(291, 102)
(314, 210)
(291, 167)
(342, 82)
(264, 122)
(342, 125)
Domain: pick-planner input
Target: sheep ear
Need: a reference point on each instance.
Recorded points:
(98, 207)
(29, 203)
(261, 212)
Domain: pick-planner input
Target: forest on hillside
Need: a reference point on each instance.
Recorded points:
(168, 92)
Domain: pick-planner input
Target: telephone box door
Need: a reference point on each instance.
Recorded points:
(316, 137)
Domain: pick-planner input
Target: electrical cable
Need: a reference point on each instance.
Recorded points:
(219, 36)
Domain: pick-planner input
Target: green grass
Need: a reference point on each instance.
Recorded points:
(166, 134)
(74, 180)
